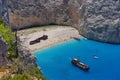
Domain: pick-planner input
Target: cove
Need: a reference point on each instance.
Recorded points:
(55, 61)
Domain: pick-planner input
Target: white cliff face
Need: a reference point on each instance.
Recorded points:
(26, 13)
(95, 19)
(101, 20)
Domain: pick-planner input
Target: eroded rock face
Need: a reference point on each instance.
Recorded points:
(4, 11)
(3, 53)
(95, 19)
(101, 20)
(26, 13)
(26, 53)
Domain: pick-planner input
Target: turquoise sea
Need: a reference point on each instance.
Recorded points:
(55, 61)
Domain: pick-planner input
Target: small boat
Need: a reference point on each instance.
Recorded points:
(95, 57)
(79, 64)
(78, 39)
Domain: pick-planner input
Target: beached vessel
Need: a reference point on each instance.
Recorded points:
(79, 64)
(44, 37)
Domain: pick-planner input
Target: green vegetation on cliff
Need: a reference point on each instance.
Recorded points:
(9, 38)
(19, 68)
(23, 76)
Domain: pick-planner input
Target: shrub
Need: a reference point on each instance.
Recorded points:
(23, 76)
(19, 66)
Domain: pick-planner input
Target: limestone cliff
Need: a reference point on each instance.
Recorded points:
(26, 13)
(101, 20)
(95, 19)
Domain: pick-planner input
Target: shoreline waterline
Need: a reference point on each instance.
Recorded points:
(57, 60)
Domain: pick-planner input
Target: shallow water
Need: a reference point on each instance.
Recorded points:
(56, 61)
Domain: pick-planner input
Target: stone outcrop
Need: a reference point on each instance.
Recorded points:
(3, 53)
(26, 53)
(101, 20)
(95, 19)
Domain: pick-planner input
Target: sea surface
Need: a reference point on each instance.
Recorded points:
(102, 58)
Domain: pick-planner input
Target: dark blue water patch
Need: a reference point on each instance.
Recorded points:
(56, 61)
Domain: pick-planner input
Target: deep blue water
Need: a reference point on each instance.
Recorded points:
(56, 64)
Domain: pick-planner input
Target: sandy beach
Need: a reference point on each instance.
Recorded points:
(56, 35)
